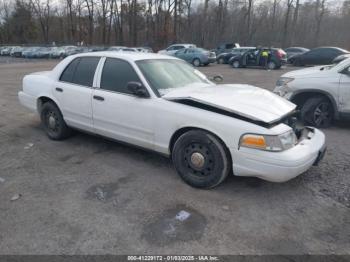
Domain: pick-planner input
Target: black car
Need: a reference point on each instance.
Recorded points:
(224, 48)
(277, 57)
(319, 56)
(224, 58)
(293, 51)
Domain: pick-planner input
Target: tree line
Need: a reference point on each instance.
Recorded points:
(158, 23)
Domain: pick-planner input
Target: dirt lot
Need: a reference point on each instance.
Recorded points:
(88, 195)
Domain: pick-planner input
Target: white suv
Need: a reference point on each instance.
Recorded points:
(322, 93)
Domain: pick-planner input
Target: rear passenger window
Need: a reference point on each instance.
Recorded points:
(116, 74)
(68, 73)
(81, 71)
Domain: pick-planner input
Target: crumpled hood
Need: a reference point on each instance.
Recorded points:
(245, 100)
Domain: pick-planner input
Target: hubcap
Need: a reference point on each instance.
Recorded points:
(198, 160)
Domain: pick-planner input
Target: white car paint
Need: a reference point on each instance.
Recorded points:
(152, 122)
(332, 80)
(171, 50)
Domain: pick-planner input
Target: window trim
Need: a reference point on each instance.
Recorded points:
(76, 58)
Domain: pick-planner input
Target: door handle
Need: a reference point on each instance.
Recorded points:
(99, 98)
(59, 89)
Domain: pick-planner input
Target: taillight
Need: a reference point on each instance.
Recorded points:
(280, 53)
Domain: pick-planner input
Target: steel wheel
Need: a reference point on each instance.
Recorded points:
(201, 159)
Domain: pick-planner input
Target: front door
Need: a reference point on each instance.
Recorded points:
(344, 94)
(117, 113)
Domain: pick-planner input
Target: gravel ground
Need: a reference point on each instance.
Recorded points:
(88, 195)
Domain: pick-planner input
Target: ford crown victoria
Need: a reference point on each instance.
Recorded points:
(163, 104)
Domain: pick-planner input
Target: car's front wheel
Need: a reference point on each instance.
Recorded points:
(318, 112)
(201, 159)
(53, 122)
(236, 64)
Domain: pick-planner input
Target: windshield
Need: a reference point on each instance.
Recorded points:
(163, 75)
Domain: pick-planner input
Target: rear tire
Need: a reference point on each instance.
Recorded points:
(53, 122)
(196, 62)
(271, 65)
(201, 159)
(318, 112)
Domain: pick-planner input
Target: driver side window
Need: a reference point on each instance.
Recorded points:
(116, 74)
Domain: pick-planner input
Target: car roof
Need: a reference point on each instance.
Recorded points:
(131, 56)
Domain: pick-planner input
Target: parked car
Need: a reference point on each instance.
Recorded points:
(224, 58)
(322, 93)
(318, 56)
(225, 48)
(44, 52)
(16, 51)
(277, 58)
(196, 56)
(293, 51)
(30, 52)
(115, 48)
(6, 51)
(171, 50)
(340, 58)
(209, 131)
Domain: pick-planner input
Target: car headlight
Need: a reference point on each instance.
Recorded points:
(274, 143)
(282, 88)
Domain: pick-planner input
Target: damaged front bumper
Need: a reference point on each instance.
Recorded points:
(281, 166)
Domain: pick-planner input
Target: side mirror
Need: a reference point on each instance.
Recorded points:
(137, 89)
(346, 71)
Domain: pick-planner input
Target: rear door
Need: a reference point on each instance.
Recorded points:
(74, 92)
(119, 114)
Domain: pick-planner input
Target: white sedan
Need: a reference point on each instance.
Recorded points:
(163, 104)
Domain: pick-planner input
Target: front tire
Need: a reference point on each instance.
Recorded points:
(236, 64)
(53, 122)
(201, 159)
(317, 112)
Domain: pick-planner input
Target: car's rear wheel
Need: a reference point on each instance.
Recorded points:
(236, 64)
(196, 62)
(271, 65)
(201, 159)
(53, 122)
(318, 112)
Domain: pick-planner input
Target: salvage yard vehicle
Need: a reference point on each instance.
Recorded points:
(209, 131)
(227, 58)
(171, 50)
(293, 51)
(322, 93)
(196, 56)
(318, 56)
(277, 58)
